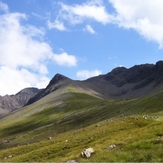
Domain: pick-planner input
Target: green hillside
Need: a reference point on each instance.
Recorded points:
(77, 120)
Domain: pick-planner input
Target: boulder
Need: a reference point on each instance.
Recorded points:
(87, 152)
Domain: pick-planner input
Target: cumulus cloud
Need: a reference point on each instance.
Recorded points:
(145, 17)
(65, 59)
(57, 25)
(91, 10)
(89, 29)
(24, 55)
(20, 45)
(85, 74)
(13, 80)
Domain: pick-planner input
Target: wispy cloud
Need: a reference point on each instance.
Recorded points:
(90, 10)
(57, 25)
(145, 17)
(78, 13)
(4, 7)
(89, 29)
(85, 74)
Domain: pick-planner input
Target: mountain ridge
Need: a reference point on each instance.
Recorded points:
(133, 82)
(120, 83)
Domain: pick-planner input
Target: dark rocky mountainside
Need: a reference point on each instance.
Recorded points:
(11, 102)
(120, 83)
(134, 82)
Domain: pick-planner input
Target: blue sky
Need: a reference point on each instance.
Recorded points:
(79, 39)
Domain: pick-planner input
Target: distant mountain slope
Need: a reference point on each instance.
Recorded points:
(11, 102)
(57, 82)
(60, 82)
(134, 82)
(120, 83)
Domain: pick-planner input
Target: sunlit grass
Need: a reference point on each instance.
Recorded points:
(83, 121)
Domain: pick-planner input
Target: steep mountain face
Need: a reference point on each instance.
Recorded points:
(120, 83)
(11, 102)
(134, 82)
(58, 81)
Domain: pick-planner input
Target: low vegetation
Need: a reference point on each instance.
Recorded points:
(81, 121)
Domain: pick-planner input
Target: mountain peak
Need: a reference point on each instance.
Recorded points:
(118, 70)
(58, 78)
(57, 81)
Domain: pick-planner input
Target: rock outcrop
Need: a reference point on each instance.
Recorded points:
(11, 102)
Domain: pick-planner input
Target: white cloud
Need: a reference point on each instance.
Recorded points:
(143, 16)
(57, 25)
(65, 59)
(85, 74)
(24, 55)
(76, 14)
(89, 29)
(20, 45)
(4, 7)
(13, 80)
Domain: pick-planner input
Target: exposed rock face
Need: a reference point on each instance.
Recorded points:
(134, 82)
(11, 102)
(24, 95)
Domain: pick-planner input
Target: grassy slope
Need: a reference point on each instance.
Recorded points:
(74, 117)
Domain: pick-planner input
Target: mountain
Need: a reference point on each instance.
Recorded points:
(123, 83)
(57, 82)
(61, 82)
(120, 83)
(11, 102)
